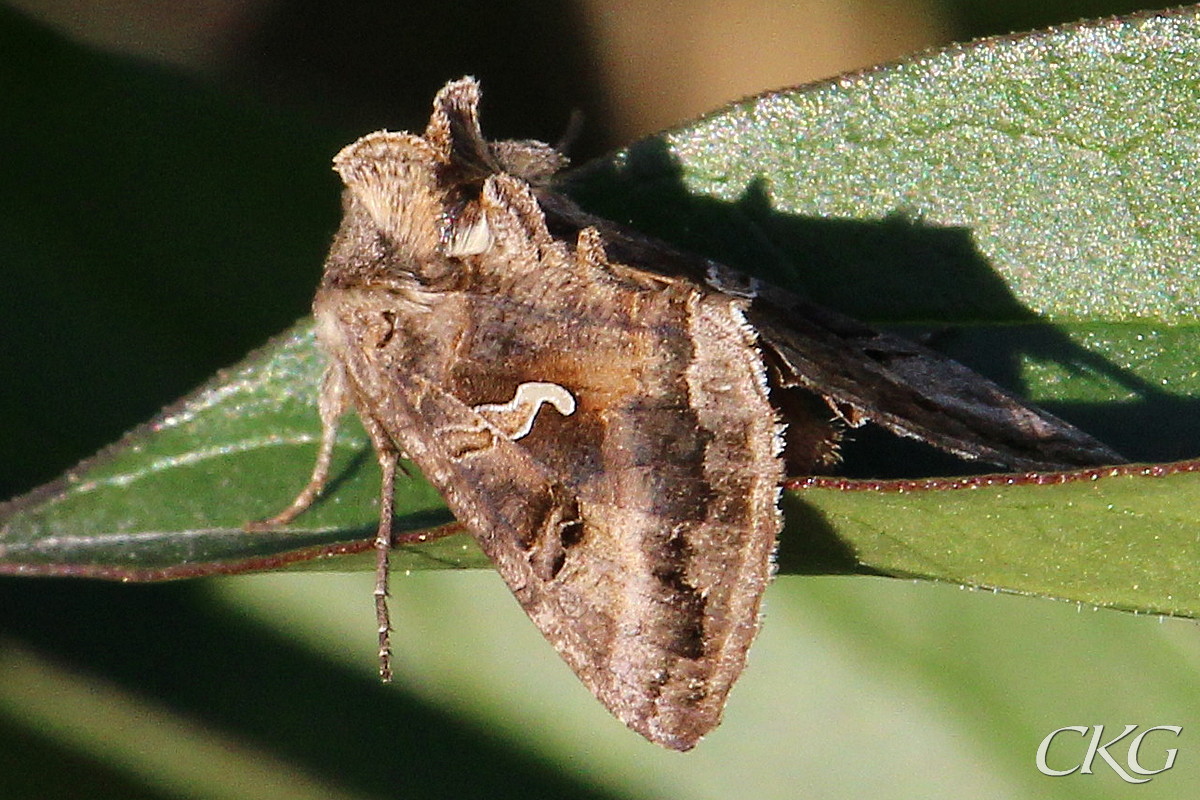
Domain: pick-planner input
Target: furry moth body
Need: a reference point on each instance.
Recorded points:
(603, 413)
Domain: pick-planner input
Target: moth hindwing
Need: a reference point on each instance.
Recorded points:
(599, 411)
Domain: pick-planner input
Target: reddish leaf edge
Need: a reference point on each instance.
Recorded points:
(232, 567)
(900, 485)
(358, 546)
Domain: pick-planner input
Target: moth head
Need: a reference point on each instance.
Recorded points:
(428, 194)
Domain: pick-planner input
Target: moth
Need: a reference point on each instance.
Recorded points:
(609, 417)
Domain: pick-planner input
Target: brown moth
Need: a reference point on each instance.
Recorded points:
(604, 413)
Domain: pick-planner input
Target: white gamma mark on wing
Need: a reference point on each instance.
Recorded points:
(516, 416)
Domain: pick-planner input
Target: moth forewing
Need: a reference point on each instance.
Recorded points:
(595, 407)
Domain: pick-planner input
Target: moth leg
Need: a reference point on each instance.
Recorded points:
(331, 405)
(389, 459)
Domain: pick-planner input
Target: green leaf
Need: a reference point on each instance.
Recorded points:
(1122, 538)
(171, 499)
(1031, 193)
